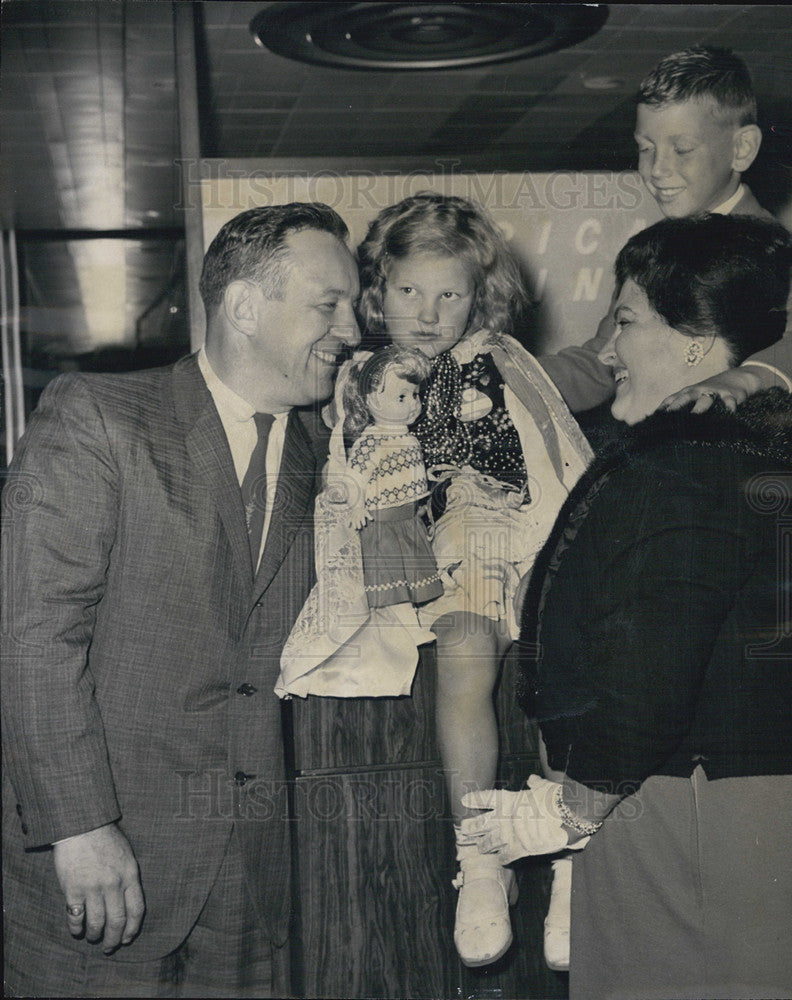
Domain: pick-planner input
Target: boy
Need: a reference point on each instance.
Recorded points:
(696, 133)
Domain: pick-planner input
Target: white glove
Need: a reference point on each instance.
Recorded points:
(517, 824)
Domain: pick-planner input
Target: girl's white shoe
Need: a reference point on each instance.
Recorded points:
(482, 929)
(557, 921)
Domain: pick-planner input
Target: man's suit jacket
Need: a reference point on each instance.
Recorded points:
(139, 654)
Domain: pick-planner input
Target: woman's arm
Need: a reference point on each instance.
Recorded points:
(587, 805)
(633, 613)
(765, 370)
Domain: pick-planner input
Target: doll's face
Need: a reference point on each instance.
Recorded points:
(395, 402)
(427, 302)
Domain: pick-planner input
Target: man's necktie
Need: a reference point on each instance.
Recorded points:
(254, 487)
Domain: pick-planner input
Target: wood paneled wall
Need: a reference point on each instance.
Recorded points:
(375, 853)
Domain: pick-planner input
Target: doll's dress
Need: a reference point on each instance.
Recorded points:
(398, 563)
(515, 453)
(340, 646)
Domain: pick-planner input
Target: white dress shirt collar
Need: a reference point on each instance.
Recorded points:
(236, 416)
(727, 206)
(229, 405)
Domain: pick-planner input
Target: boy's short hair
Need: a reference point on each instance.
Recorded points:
(699, 72)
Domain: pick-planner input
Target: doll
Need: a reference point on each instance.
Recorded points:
(387, 474)
(358, 633)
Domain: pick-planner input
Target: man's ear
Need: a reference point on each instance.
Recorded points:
(746, 143)
(240, 305)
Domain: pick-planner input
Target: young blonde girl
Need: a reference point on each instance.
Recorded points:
(436, 275)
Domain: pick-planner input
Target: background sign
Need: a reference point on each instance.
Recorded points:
(565, 227)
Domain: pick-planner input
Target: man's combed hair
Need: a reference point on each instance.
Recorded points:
(722, 275)
(252, 246)
(700, 72)
(446, 225)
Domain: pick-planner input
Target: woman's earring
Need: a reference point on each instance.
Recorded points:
(693, 354)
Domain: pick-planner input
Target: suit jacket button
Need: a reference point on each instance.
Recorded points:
(242, 779)
(24, 829)
(246, 690)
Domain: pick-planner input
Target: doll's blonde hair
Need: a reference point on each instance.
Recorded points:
(367, 376)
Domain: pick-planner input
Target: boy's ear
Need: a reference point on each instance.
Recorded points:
(746, 143)
(240, 306)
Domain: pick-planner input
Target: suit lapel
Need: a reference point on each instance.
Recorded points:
(295, 490)
(207, 447)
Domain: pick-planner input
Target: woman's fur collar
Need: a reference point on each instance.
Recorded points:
(761, 426)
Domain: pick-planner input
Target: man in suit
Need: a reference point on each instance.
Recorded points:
(158, 545)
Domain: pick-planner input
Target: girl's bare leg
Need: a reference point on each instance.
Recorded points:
(469, 650)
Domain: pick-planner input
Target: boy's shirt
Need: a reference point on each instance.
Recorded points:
(585, 382)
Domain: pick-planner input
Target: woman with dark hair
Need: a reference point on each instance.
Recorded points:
(656, 642)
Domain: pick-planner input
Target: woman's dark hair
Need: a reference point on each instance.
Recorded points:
(717, 275)
(447, 225)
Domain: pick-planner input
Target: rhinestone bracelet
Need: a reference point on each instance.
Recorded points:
(581, 826)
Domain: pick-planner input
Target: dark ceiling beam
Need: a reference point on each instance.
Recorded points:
(149, 233)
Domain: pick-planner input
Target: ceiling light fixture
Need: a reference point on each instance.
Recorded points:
(421, 36)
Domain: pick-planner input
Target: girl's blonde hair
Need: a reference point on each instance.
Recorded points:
(450, 226)
(367, 376)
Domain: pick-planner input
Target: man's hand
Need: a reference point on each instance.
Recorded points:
(733, 386)
(99, 877)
